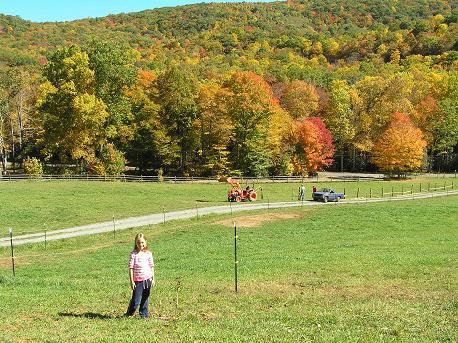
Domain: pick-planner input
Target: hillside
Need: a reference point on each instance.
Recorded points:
(231, 31)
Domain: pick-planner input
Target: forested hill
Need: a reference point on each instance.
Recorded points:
(237, 32)
(215, 89)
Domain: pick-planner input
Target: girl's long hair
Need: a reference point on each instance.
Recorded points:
(137, 237)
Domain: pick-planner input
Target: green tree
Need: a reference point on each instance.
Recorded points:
(446, 125)
(340, 115)
(446, 128)
(114, 73)
(177, 94)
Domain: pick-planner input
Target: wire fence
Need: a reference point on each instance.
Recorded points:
(26, 256)
(392, 191)
(351, 192)
(169, 179)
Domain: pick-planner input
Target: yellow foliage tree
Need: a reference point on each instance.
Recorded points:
(70, 115)
(401, 147)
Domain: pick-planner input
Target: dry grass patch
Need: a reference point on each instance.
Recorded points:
(257, 220)
(343, 292)
(26, 259)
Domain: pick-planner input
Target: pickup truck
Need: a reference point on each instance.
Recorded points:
(327, 194)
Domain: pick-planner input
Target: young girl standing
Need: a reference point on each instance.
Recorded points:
(141, 274)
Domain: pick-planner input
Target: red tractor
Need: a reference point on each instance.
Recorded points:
(236, 193)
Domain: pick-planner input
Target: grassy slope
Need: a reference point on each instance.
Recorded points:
(349, 273)
(35, 206)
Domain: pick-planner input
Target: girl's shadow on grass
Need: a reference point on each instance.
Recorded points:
(89, 315)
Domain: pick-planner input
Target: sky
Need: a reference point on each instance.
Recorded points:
(64, 10)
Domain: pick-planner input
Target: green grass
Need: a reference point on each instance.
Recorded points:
(35, 206)
(350, 273)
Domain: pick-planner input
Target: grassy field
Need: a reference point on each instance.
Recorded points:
(35, 206)
(351, 273)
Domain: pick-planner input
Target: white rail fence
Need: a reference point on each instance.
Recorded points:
(181, 179)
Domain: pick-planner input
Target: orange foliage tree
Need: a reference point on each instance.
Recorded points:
(315, 149)
(401, 147)
(250, 105)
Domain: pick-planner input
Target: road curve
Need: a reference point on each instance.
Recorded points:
(157, 218)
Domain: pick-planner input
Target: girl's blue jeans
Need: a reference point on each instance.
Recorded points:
(140, 297)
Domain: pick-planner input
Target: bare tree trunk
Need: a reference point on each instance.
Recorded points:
(3, 160)
(20, 117)
(13, 148)
(342, 161)
(2, 149)
(2, 145)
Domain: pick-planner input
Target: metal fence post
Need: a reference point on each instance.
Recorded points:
(236, 262)
(12, 251)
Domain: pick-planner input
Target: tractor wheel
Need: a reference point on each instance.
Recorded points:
(253, 196)
(325, 199)
(238, 198)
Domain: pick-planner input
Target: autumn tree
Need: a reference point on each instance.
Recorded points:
(299, 98)
(314, 149)
(249, 103)
(401, 147)
(214, 126)
(71, 116)
(17, 94)
(282, 140)
(379, 98)
(151, 145)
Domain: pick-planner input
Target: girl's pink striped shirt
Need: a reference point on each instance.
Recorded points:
(142, 263)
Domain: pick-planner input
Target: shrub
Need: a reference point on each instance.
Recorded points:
(32, 166)
(111, 162)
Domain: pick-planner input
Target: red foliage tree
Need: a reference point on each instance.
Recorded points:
(315, 149)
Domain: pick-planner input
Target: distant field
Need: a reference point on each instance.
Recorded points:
(35, 206)
(351, 273)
